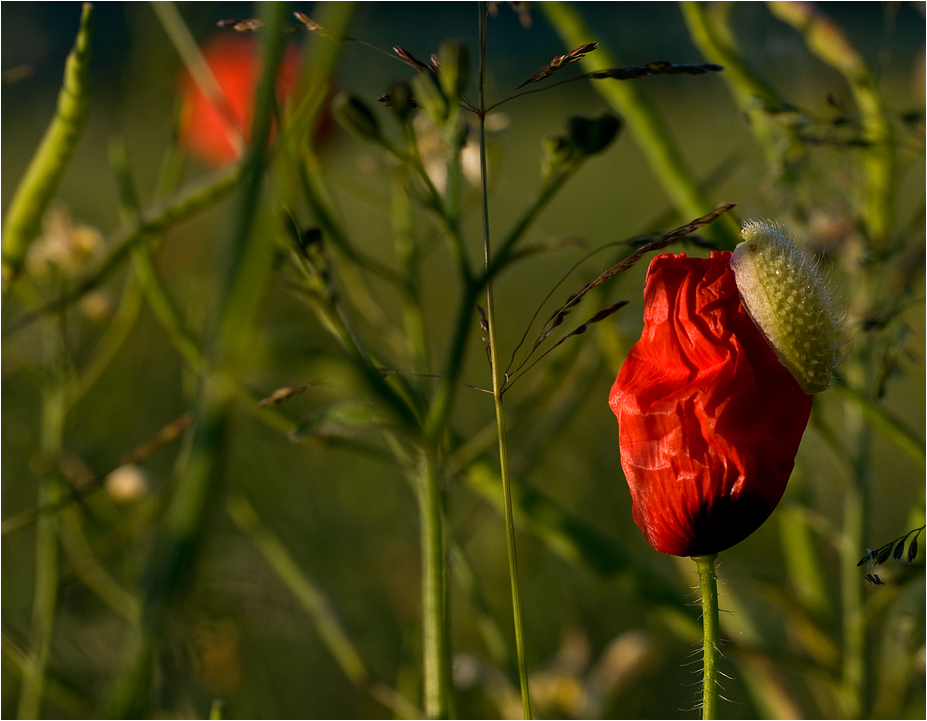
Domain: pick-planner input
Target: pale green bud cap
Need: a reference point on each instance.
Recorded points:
(788, 300)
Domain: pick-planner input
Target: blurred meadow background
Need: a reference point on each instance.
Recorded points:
(178, 541)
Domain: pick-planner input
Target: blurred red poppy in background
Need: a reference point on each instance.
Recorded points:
(709, 419)
(214, 134)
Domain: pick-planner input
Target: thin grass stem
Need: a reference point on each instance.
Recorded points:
(314, 602)
(497, 386)
(185, 44)
(163, 306)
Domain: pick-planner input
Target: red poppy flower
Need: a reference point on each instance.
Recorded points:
(209, 132)
(709, 419)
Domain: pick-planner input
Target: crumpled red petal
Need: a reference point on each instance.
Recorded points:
(709, 420)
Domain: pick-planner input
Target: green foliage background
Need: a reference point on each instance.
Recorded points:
(609, 623)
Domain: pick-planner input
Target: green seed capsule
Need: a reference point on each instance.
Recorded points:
(789, 302)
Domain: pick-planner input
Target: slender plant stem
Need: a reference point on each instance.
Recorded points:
(855, 671)
(407, 251)
(82, 559)
(46, 553)
(315, 603)
(497, 387)
(436, 640)
(196, 65)
(708, 585)
(159, 299)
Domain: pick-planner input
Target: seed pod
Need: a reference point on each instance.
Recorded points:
(789, 302)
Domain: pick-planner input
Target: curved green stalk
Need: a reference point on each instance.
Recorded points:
(645, 123)
(712, 34)
(185, 45)
(52, 156)
(708, 585)
(825, 39)
(891, 428)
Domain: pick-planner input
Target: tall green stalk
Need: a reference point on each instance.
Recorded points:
(436, 636)
(497, 388)
(197, 484)
(46, 551)
(708, 585)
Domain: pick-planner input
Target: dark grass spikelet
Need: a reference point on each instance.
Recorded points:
(600, 316)
(558, 62)
(353, 115)
(894, 549)
(247, 25)
(281, 395)
(484, 327)
(557, 318)
(410, 60)
(899, 551)
(657, 244)
(657, 67)
(313, 27)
